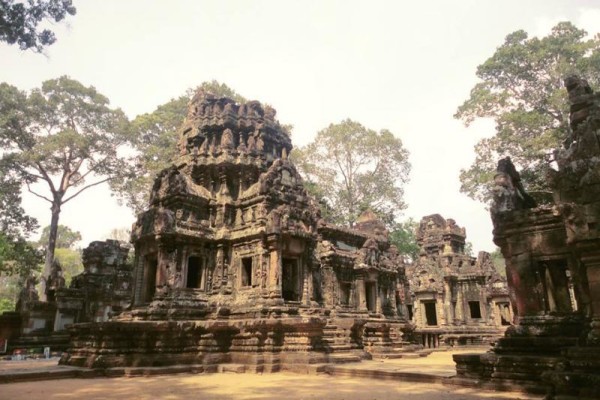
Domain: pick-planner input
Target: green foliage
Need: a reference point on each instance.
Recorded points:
(65, 237)
(469, 249)
(499, 262)
(521, 88)
(403, 236)
(70, 262)
(63, 135)
(6, 304)
(13, 220)
(220, 90)
(10, 285)
(17, 257)
(351, 168)
(155, 136)
(19, 21)
(122, 234)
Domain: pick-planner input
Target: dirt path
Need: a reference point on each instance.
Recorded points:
(240, 386)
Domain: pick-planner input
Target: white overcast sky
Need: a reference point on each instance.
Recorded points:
(400, 65)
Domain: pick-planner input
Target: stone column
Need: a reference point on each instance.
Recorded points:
(459, 312)
(592, 264)
(362, 293)
(448, 312)
(306, 281)
(220, 276)
(376, 292)
(274, 274)
(162, 268)
(326, 285)
(483, 306)
(439, 308)
(525, 287)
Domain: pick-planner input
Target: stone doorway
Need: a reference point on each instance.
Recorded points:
(195, 273)
(430, 313)
(290, 285)
(151, 262)
(371, 295)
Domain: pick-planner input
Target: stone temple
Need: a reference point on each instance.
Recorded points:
(234, 264)
(552, 257)
(455, 299)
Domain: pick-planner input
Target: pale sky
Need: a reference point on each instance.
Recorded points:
(403, 66)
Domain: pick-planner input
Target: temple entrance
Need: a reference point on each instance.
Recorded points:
(290, 284)
(195, 276)
(246, 271)
(430, 313)
(475, 310)
(556, 282)
(371, 295)
(151, 264)
(504, 312)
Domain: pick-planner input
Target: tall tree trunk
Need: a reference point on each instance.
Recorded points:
(51, 244)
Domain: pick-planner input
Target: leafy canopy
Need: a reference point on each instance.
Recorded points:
(63, 136)
(521, 89)
(66, 238)
(17, 256)
(154, 136)
(351, 168)
(404, 238)
(19, 21)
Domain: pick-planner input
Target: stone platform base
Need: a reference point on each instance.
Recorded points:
(260, 342)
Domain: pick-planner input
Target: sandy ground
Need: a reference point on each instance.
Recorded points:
(248, 386)
(241, 386)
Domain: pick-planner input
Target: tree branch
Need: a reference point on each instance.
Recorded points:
(86, 187)
(46, 177)
(38, 195)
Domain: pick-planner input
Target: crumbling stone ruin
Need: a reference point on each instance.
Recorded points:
(553, 267)
(455, 299)
(234, 264)
(103, 288)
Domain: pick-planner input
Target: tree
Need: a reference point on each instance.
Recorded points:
(521, 88)
(499, 262)
(17, 256)
(469, 249)
(121, 234)
(63, 136)
(351, 168)
(155, 136)
(65, 237)
(19, 21)
(404, 238)
(70, 262)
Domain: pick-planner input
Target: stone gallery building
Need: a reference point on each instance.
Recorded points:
(552, 257)
(455, 299)
(234, 264)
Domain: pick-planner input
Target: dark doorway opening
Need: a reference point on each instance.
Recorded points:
(150, 277)
(247, 271)
(409, 308)
(290, 285)
(475, 309)
(504, 313)
(371, 294)
(430, 313)
(194, 273)
(345, 293)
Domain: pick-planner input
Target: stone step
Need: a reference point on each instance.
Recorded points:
(236, 368)
(534, 345)
(343, 358)
(318, 368)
